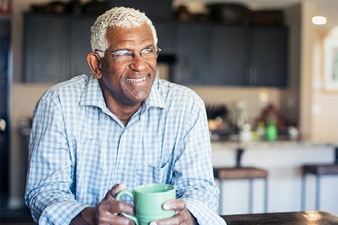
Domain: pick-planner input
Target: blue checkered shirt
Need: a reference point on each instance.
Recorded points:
(79, 150)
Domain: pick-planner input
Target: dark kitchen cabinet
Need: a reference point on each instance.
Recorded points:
(46, 48)
(80, 45)
(248, 56)
(228, 55)
(212, 54)
(193, 52)
(268, 57)
(166, 33)
(55, 47)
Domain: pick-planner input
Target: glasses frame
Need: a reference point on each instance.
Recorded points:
(130, 53)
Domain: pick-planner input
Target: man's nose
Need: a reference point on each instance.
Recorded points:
(138, 62)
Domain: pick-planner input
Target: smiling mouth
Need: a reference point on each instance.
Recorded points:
(134, 80)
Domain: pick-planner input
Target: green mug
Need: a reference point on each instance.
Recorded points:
(148, 201)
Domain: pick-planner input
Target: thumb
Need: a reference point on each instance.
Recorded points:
(111, 194)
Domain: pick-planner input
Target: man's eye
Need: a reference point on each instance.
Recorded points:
(122, 53)
(147, 51)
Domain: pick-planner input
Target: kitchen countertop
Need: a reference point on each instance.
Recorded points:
(280, 144)
(282, 159)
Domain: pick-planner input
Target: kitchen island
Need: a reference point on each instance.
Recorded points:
(283, 160)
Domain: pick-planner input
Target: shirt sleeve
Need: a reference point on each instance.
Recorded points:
(193, 169)
(49, 183)
(203, 214)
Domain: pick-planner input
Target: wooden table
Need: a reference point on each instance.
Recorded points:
(283, 218)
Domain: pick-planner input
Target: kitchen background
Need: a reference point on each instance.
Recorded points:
(305, 101)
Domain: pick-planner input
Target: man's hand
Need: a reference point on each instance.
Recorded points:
(107, 211)
(182, 215)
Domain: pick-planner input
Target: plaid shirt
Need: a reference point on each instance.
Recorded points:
(79, 150)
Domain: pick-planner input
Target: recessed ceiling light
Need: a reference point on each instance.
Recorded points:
(319, 20)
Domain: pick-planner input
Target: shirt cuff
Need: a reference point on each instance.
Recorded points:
(61, 213)
(202, 213)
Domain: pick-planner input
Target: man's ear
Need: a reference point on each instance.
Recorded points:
(94, 62)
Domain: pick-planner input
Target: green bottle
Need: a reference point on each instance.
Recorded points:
(271, 131)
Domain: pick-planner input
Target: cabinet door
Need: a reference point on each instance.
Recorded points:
(229, 50)
(46, 48)
(268, 57)
(193, 50)
(166, 34)
(80, 44)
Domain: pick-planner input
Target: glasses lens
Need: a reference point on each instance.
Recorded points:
(123, 55)
(148, 53)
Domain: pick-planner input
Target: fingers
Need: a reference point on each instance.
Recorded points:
(176, 204)
(182, 215)
(110, 219)
(111, 194)
(108, 210)
(110, 205)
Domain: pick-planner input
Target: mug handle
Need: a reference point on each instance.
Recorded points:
(118, 198)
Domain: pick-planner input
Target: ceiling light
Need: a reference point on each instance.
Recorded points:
(319, 20)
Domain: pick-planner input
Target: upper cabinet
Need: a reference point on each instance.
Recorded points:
(229, 48)
(193, 53)
(227, 55)
(56, 47)
(79, 45)
(165, 33)
(268, 56)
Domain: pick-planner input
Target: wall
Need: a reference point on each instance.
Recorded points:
(251, 96)
(319, 106)
(324, 101)
(306, 68)
(25, 95)
(290, 98)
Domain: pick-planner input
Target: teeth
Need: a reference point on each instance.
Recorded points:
(136, 80)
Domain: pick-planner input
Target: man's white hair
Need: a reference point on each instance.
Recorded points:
(117, 17)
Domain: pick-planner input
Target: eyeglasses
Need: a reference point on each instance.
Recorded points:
(126, 55)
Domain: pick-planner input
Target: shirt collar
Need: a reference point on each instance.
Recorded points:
(92, 94)
(155, 98)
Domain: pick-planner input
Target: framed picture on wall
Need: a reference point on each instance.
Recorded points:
(331, 64)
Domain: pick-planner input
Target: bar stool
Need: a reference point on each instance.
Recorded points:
(238, 172)
(318, 170)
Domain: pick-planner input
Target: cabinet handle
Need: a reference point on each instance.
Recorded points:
(253, 75)
(72, 70)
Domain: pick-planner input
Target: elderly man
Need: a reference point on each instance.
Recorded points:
(119, 128)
